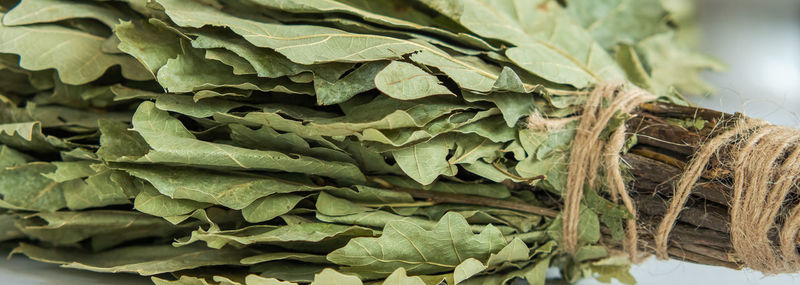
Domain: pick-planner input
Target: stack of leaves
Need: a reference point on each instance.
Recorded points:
(349, 141)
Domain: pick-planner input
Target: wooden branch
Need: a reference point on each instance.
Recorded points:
(663, 149)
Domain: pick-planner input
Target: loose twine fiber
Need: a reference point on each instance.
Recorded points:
(766, 163)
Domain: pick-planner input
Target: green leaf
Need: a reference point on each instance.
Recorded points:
(509, 81)
(75, 55)
(109, 226)
(73, 119)
(186, 105)
(270, 207)
(548, 43)
(481, 215)
(8, 227)
(190, 71)
(25, 187)
(619, 21)
(289, 270)
(232, 190)
(104, 188)
(613, 267)
(388, 113)
(470, 148)
(276, 121)
(512, 105)
(492, 190)
(381, 12)
(28, 137)
(631, 63)
(675, 65)
(374, 219)
(173, 143)
(330, 276)
(590, 252)
(151, 42)
(332, 206)
(124, 93)
(381, 112)
(399, 277)
(369, 159)
(467, 269)
(542, 60)
(372, 195)
(440, 249)
(424, 162)
(305, 44)
(80, 96)
(534, 273)
(211, 216)
(150, 201)
(143, 260)
(360, 80)
(272, 256)
(318, 237)
(119, 143)
(515, 251)
(47, 11)
(405, 81)
(264, 62)
(479, 122)
(301, 44)
(205, 94)
(184, 280)
(605, 207)
(266, 138)
(253, 279)
(69, 170)
(469, 73)
(10, 157)
(588, 227)
(240, 65)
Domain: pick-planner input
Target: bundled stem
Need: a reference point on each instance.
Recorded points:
(663, 152)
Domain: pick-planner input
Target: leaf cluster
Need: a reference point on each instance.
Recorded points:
(287, 141)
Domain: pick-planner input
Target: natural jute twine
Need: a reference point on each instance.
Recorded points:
(602, 104)
(765, 162)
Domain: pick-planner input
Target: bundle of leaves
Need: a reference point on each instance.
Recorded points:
(349, 141)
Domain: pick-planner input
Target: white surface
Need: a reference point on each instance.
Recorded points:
(672, 272)
(760, 40)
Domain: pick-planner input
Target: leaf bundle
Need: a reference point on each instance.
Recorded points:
(297, 141)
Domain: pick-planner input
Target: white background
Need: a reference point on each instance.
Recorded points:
(759, 40)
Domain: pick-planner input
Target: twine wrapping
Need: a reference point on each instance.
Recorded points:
(765, 163)
(585, 157)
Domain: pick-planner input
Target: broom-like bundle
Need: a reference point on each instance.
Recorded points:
(376, 142)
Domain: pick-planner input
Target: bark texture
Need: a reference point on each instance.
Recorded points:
(664, 147)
